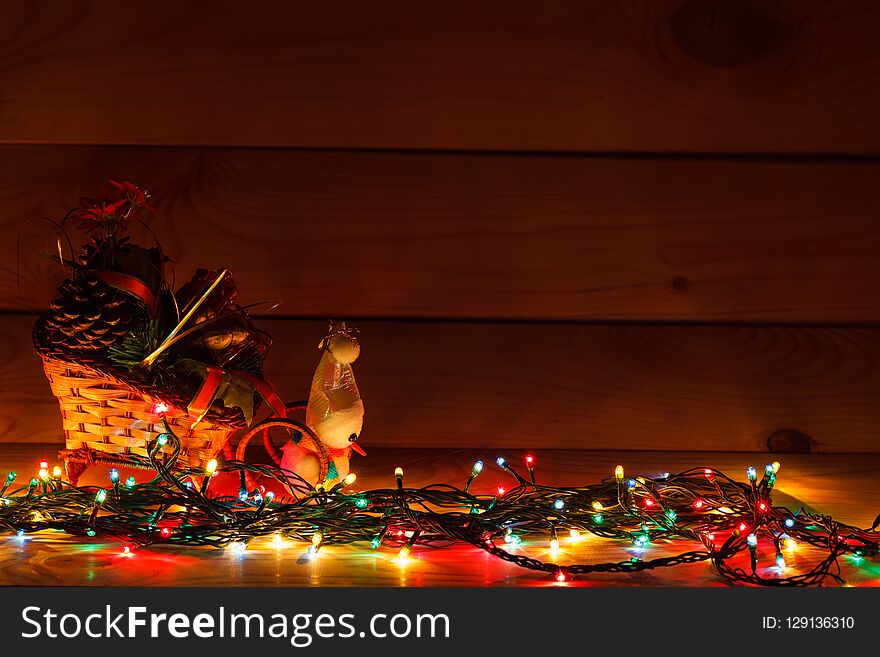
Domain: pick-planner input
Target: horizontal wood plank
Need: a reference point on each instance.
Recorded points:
(558, 386)
(836, 485)
(674, 75)
(479, 236)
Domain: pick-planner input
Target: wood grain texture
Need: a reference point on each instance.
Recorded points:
(675, 75)
(441, 235)
(823, 483)
(557, 386)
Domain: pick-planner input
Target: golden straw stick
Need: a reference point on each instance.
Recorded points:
(149, 360)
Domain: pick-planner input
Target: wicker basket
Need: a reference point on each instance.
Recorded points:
(106, 419)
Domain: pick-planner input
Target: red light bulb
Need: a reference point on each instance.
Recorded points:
(762, 506)
(165, 532)
(160, 408)
(530, 459)
(742, 526)
(44, 465)
(501, 490)
(649, 502)
(126, 549)
(560, 576)
(698, 504)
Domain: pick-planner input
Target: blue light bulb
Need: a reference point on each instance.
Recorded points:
(558, 504)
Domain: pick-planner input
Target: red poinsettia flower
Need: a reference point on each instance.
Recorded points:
(111, 211)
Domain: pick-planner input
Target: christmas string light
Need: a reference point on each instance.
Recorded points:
(727, 522)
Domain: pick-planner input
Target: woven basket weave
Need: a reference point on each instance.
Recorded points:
(106, 419)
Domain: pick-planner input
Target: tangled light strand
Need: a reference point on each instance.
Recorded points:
(703, 506)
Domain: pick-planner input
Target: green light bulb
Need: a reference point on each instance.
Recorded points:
(162, 440)
(100, 496)
(375, 543)
(129, 483)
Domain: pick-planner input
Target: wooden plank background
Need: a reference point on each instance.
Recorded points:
(769, 76)
(643, 225)
(557, 386)
(481, 236)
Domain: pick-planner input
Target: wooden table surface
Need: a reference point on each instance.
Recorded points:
(843, 486)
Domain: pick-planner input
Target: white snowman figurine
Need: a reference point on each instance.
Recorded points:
(335, 411)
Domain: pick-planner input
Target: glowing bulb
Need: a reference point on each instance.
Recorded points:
(597, 506)
(752, 474)
(129, 483)
(211, 467)
(362, 503)
(742, 526)
(11, 477)
(631, 484)
(20, 533)
(258, 498)
(100, 496)
(238, 547)
(649, 502)
(640, 542)
(558, 504)
(618, 473)
(574, 535)
(477, 469)
(560, 576)
(269, 497)
(44, 474)
(160, 408)
(501, 490)
(398, 472)
(698, 504)
(790, 544)
(554, 545)
(501, 461)
(277, 541)
(126, 549)
(768, 469)
(780, 561)
(775, 465)
(317, 538)
(56, 472)
(789, 522)
(530, 460)
(598, 519)
(114, 475)
(349, 479)
(752, 540)
(762, 506)
(403, 555)
(375, 543)
(165, 532)
(672, 515)
(162, 440)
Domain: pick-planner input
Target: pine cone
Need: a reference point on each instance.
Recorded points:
(89, 316)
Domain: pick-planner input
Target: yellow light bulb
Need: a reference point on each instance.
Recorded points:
(398, 471)
(44, 474)
(277, 541)
(597, 505)
(349, 479)
(317, 538)
(211, 467)
(403, 555)
(575, 535)
(775, 465)
(56, 472)
(618, 473)
(790, 543)
(554, 545)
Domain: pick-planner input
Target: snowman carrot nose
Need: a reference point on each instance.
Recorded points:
(358, 449)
